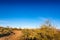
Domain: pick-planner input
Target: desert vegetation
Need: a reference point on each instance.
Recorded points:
(45, 32)
(5, 31)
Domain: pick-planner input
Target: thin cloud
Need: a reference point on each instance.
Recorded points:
(43, 19)
(3, 21)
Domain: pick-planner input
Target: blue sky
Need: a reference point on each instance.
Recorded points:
(29, 13)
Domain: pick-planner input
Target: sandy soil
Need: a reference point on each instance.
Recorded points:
(15, 36)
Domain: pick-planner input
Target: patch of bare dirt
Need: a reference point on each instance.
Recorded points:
(14, 36)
